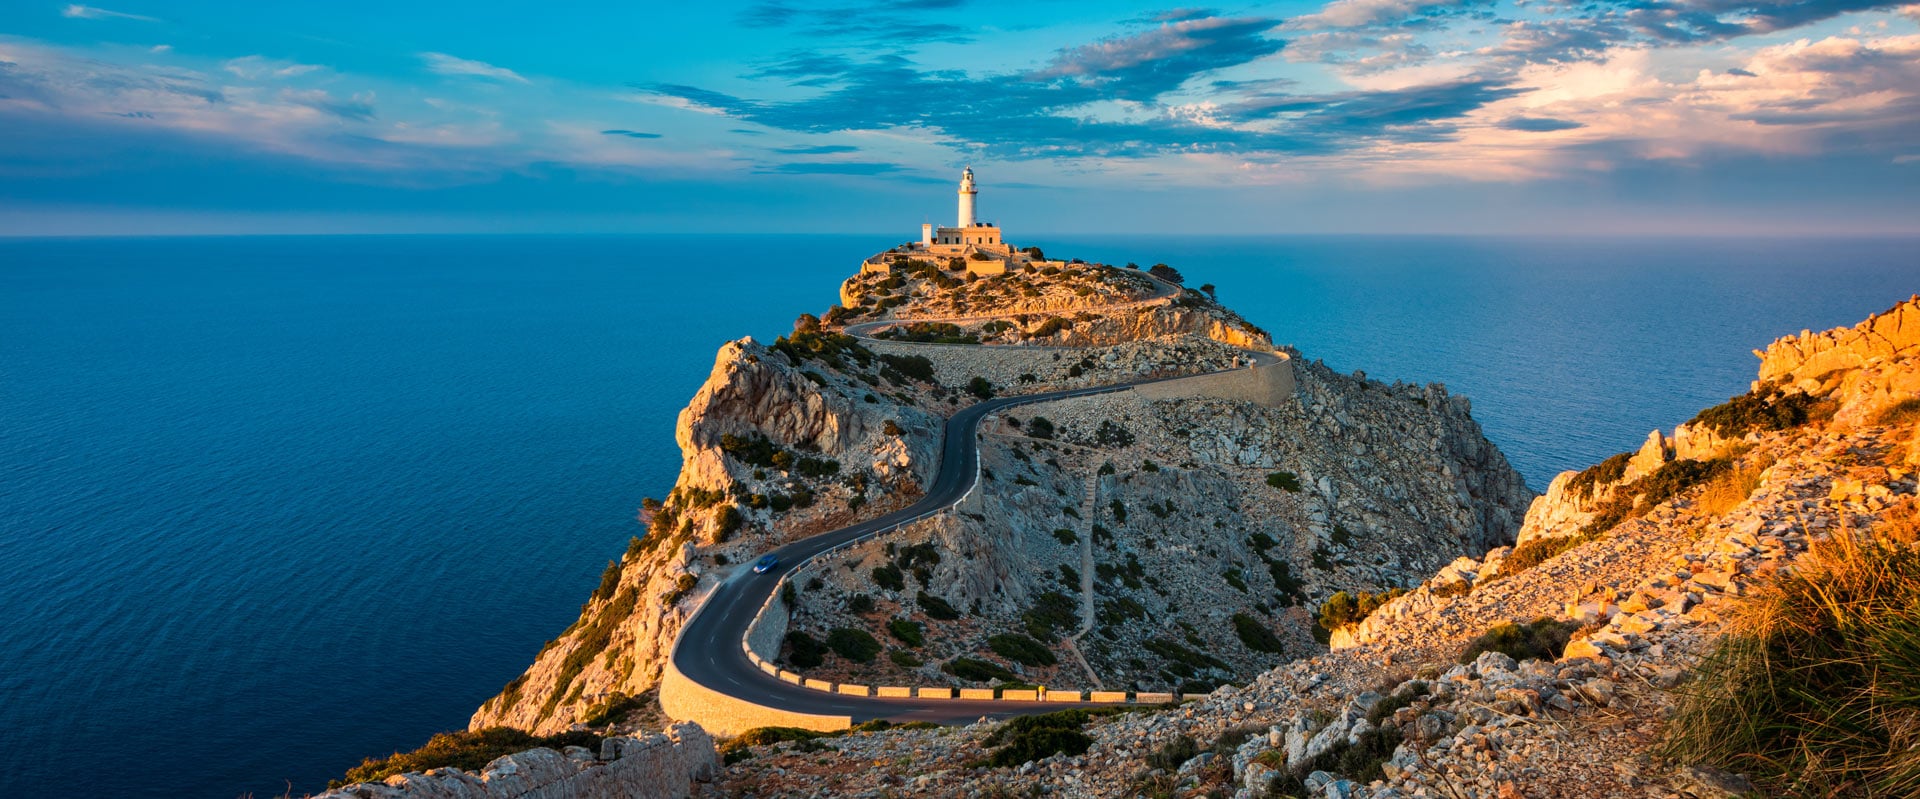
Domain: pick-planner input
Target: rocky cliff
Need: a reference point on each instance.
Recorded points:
(1221, 521)
(1549, 669)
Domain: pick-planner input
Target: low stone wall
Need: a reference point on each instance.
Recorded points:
(651, 767)
(1266, 384)
(682, 698)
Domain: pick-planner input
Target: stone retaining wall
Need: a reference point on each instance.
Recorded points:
(1266, 384)
(682, 698)
(660, 766)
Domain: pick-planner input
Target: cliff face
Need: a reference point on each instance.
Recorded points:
(1223, 521)
(813, 448)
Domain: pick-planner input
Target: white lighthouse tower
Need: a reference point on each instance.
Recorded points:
(967, 195)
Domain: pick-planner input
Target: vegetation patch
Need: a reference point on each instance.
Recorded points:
(936, 608)
(1343, 609)
(908, 632)
(977, 670)
(470, 750)
(1542, 639)
(1051, 613)
(1285, 481)
(1767, 407)
(858, 646)
(1255, 635)
(1021, 649)
(1813, 693)
(804, 651)
(1029, 738)
(593, 640)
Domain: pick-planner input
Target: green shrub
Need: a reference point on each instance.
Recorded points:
(1767, 407)
(1256, 635)
(803, 651)
(918, 367)
(1066, 536)
(907, 631)
(1343, 608)
(905, 659)
(1285, 481)
(470, 750)
(858, 646)
(1021, 649)
(609, 581)
(976, 670)
(753, 450)
(1040, 427)
(1816, 690)
(728, 521)
(890, 577)
(1606, 471)
(1112, 435)
(1052, 612)
(980, 387)
(1542, 639)
(860, 603)
(936, 608)
(1029, 738)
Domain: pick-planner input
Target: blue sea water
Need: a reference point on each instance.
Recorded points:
(270, 505)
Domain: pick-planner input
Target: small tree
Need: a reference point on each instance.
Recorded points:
(1208, 288)
(1164, 272)
(980, 387)
(807, 323)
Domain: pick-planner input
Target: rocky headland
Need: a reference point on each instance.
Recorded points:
(1359, 595)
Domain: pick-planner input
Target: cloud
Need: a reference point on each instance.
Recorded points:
(1539, 124)
(822, 149)
(837, 168)
(1147, 64)
(255, 67)
(358, 109)
(631, 134)
(160, 48)
(443, 64)
(90, 12)
(874, 21)
(1359, 13)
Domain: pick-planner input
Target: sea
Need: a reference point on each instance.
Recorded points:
(270, 505)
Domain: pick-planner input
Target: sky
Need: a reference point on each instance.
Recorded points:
(1653, 117)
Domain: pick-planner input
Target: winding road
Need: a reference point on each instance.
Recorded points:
(708, 649)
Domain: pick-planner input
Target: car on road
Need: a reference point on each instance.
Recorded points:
(765, 564)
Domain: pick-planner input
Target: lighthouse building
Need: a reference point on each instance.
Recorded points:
(970, 242)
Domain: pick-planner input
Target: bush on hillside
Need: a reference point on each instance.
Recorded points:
(1285, 481)
(1541, 639)
(935, 607)
(1021, 649)
(803, 651)
(1255, 635)
(858, 646)
(976, 670)
(1767, 407)
(907, 631)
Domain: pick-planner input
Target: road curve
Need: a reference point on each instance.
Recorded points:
(708, 649)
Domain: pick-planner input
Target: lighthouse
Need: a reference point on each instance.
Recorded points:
(967, 196)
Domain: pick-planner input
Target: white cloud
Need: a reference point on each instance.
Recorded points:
(255, 67)
(77, 11)
(443, 64)
(160, 48)
(1355, 13)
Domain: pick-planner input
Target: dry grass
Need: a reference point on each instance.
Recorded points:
(1816, 689)
(1729, 489)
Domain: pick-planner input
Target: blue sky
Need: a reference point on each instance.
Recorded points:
(1538, 116)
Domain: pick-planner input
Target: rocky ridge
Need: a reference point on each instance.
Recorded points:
(1395, 711)
(817, 430)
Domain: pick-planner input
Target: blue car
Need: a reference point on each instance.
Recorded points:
(765, 564)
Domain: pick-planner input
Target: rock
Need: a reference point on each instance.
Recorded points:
(1705, 782)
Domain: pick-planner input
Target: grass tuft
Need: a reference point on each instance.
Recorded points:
(1815, 691)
